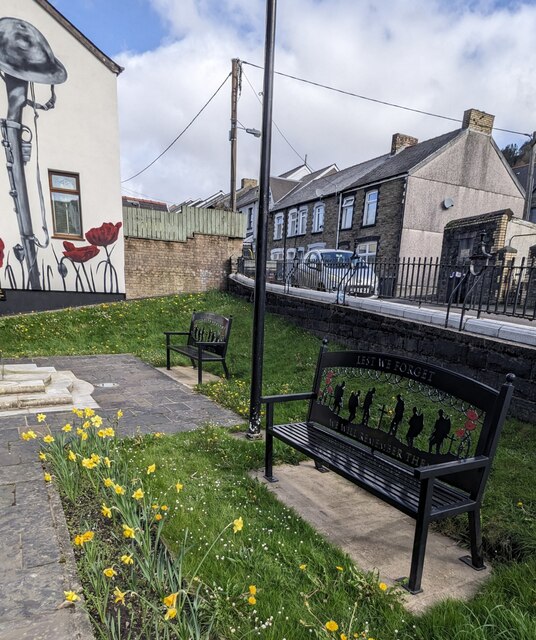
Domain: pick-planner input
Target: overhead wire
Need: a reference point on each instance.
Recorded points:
(376, 100)
(181, 133)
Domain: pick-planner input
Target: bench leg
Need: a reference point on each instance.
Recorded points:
(168, 359)
(225, 369)
(476, 559)
(268, 458)
(320, 467)
(200, 373)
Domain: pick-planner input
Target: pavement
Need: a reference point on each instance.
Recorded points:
(36, 559)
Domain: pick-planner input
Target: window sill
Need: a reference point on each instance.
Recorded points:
(317, 232)
(368, 226)
(65, 236)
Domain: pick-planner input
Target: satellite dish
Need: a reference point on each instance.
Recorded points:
(448, 203)
(319, 193)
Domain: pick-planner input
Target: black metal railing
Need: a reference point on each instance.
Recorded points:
(503, 288)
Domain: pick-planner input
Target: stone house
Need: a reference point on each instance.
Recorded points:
(61, 241)
(397, 205)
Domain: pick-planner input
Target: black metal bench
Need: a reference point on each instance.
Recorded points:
(207, 341)
(419, 437)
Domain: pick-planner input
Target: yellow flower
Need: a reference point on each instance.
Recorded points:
(96, 421)
(238, 524)
(95, 458)
(47, 477)
(252, 600)
(170, 614)
(171, 600)
(519, 504)
(86, 424)
(331, 625)
(119, 413)
(179, 487)
(109, 572)
(344, 636)
(339, 568)
(82, 434)
(42, 456)
(101, 433)
(138, 494)
(108, 482)
(106, 511)
(128, 532)
(159, 434)
(88, 412)
(48, 439)
(67, 428)
(41, 417)
(303, 567)
(383, 586)
(155, 507)
(107, 461)
(158, 517)
(78, 412)
(109, 432)
(88, 463)
(70, 596)
(164, 507)
(119, 595)
(119, 490)
(72, 455)
(252, 589)
(88, 536)
(151, 468)
(29, 435)
(127, 558)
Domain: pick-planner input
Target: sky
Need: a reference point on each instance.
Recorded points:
(438, 56)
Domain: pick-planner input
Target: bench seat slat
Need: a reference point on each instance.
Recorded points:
(394, 484)
(189, 351)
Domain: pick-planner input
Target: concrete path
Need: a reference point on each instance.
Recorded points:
(36, 560)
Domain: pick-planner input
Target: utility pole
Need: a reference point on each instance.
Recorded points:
(530, 179)
(235, 83)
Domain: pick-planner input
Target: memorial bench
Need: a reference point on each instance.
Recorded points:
(417, 436)
(207, 341)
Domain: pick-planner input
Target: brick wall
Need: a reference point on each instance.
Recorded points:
(485, 359)
(158, 267)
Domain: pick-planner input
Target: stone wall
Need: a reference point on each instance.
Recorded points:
(485, 359)
(159, 267)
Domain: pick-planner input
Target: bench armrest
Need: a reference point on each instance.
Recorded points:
(288, 397)
(448, 468)
(210, 344)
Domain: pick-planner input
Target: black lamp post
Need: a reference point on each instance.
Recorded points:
(254, 428)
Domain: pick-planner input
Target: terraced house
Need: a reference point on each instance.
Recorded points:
(397, 205)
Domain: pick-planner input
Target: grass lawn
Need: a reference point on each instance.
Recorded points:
(299, 585)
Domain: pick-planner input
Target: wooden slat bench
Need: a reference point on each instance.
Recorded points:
(419, 437)
(207, 341)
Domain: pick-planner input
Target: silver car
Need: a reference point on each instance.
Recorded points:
(335, 269)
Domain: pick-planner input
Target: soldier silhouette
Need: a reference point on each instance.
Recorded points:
(367, 402)
(416, 425)
(397, 418)
(353, 404)
(337, 397)
(440, 432)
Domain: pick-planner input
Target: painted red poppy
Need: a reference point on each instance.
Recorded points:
(79, 254)
(460, 433)
(470, 425)
(2, 247)
(472, 414)
(104, 235)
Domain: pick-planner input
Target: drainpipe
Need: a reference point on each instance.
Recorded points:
(338, 222)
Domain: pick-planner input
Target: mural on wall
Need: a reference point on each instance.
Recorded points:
(26, 59)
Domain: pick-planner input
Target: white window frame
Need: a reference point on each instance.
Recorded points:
(279, 224)
(292, 223)
(371, 207)
(277, 254)
(302, 221)
(368, 251)
(318, 217)
(347, 212)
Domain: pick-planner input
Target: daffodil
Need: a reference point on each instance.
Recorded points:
(82, 434)
(68, 427)
(252, 600)
(109, 432)
(41, 417)
(88, 536)
(42, 456)
(119, 413)
(88, 463)
(109, 572)
(47, 477)
(170, 613)
(96, 421)
(128, 532)
(29, 435)
(48, 439)
(78, 413)
(151, 468)
(88, 412)
(72, 455)
(138, 494)
(171, 600)
(108, 482)
(119, 490)
(331, 625)
(86, 424)
(119, 595)
(179, 487)
(126, 558)
(106, 511)
(70, 596)
(107, 462)
(238, 525)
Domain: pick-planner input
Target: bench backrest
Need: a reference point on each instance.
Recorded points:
(211, 328)
(416, 413)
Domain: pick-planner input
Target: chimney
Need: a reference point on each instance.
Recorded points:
(248, 183)
(401, 141)
(478, 121)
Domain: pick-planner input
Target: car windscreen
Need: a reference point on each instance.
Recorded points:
(337, 257)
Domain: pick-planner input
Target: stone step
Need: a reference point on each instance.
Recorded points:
(45, 376)
(16, 387)
(34, 400)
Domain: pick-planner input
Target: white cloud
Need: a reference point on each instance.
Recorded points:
(436, 56)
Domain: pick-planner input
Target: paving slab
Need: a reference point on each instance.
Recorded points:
(374, 535)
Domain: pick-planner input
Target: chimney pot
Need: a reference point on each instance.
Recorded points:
(401, 141)
(478, 121)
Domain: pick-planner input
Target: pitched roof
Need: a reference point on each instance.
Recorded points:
(522, 174)
(86, 42)
(154, 205)
(289, 173)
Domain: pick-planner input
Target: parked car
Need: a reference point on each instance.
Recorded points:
(335, 269)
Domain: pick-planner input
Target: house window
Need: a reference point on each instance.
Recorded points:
(279, 222)
(347, 213)
(367, 251)
(250, 219)
(65, 198)
(302, 221)
(371, 204)
(318, 217)
(292, 223)
(276, 254)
